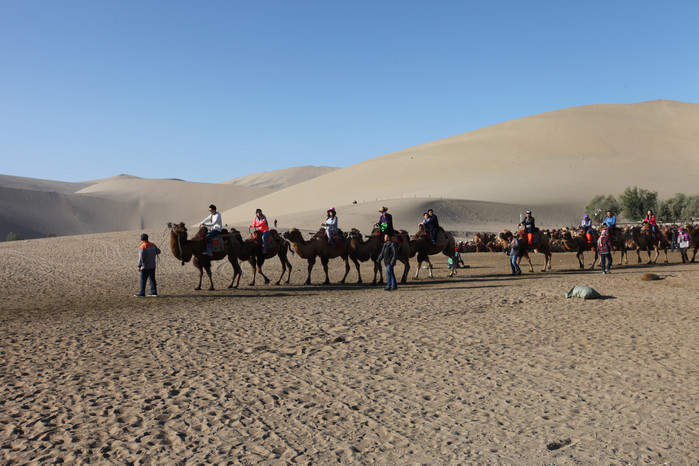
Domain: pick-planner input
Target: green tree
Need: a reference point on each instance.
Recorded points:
(635, 202)
(671, 209)
(600, 204)
(13, 237)
(690, 211)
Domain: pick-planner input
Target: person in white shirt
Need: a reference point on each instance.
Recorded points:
(214, 223)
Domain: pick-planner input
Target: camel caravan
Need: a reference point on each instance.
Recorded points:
(330, 242)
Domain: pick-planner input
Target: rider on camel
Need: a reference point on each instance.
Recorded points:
(330, 225)
(529, 226)
(259, 223)
(214, 223)
(650, 219)
(586, 226)
(610, 222)
(432, 224)
(386, 222)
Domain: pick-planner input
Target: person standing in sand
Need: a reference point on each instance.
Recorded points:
(388, 254)
(683, 243)
(147, 253)
(605, 248)
(513, 251)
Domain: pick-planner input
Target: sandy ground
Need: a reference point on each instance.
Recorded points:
(481, 368)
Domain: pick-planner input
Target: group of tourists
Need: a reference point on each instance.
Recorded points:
(148, 251)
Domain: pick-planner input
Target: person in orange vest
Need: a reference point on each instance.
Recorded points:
(147, 253)
(586, 226)
(529, 226)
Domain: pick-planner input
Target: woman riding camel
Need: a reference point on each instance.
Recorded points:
(386, 222)
(330, 225)
(650, 218)
(259, 223)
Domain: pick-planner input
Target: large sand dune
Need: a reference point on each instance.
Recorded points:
(553, 160)
(552, 163)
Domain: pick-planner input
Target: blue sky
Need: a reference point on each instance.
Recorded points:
(208, 91)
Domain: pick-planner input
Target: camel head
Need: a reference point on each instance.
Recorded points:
(293, 235)
(178, 242)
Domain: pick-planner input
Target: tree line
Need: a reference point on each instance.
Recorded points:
(634, 203)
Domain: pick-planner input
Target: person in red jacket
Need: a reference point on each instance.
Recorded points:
(650, 218)
(259, 223)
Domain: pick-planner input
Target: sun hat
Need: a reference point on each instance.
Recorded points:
(383, 209)
(332, 209)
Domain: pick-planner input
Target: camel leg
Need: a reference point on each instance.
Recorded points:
(638, 253)
(211, 280)
(695, 253)
(377, 270)
(251, 261)
(311, 263)
(595, 260)
(359, 273)
(581, 260)
(531, 268)
(417, 272)
(324, 261)
(236, 272)
(284, 262)
(347, 269)
(429, 268)
(201, 273)
(259, 270)
(406, 269)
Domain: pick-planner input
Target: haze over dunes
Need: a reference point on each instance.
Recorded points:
(552, 163)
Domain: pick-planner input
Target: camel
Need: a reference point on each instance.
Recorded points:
(318, 246)
(251, 251)
(693, 231)
(360, 250)
(643, 237)
(540, 244)
(421, 244)
(192, 249)
(579, 245)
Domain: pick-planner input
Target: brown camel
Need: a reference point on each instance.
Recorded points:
(318, 246)
(645, 240)
(251, 251)
(193, 249)
(360, 250)
(693, 231)
(540, 244)
(421, 244)
(578, 243)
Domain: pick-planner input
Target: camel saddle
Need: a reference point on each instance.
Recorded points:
(536, 237)
(256, 236)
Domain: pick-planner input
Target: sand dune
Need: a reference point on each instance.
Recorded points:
(560, 158)
(278, 179)
(552, 163)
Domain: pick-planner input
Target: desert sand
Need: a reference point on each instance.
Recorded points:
(481, 368)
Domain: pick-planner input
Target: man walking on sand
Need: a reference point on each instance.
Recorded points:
(147, 253)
